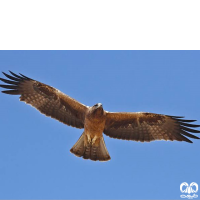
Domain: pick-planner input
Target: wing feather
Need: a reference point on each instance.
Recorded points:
(9, 82)
(46, 99)
(11, 77)
(146, 127)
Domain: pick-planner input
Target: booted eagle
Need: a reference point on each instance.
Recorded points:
(136, 126)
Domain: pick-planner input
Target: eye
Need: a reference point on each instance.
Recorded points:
(96, 105)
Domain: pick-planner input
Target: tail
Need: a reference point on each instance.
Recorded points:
(90, 151)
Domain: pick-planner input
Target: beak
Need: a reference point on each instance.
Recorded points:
(100, 105)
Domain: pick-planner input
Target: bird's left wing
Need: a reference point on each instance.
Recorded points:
(146, 127)
(46, 99)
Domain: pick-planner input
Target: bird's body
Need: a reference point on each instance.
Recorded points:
(94, 123)
(136, 126)
(92, 137)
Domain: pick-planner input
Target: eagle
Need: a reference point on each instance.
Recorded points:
(135, 126)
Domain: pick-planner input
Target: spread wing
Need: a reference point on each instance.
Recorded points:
(146, 127)
(46, 99)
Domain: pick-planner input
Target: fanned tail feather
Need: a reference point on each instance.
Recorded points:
(90, 151)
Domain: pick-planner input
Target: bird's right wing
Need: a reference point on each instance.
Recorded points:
(46, 99)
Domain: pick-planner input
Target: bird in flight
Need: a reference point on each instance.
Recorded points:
(136, 126)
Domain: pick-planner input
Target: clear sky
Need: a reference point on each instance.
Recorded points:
(35, 162)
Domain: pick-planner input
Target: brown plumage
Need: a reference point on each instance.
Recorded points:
(138, 126)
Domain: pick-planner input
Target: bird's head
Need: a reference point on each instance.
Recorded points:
(97, 108)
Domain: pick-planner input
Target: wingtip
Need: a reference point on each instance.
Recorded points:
(15, 75)
(12, 92)
(25, 76)
(4, 73)
(12, 72)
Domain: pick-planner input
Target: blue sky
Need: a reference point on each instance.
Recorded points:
(35, 162)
